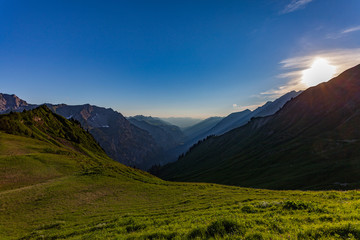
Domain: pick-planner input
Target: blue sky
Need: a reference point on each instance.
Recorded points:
(170, 58)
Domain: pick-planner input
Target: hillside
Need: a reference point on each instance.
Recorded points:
(38, 146)
(57, 183)
(121, 140)
(312, 142)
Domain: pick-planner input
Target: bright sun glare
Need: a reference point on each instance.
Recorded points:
(320, 71)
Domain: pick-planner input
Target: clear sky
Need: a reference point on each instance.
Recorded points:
(170, 58)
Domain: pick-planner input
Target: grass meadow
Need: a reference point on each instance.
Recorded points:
(55, 192)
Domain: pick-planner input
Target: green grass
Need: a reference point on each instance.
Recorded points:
(50, 194)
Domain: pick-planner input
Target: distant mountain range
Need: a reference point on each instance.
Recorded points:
(182, 122)
(312, 142)
(238, 119)
(218, 125)
(144, 141)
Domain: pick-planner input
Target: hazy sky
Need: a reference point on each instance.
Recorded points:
(170, 58)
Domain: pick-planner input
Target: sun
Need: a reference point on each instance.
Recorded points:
(320, 71)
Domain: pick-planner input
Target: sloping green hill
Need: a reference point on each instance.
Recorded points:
(57, 185)
(313, 142)
(42, 124)
(44, 145)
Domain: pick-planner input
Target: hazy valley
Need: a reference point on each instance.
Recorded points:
(140, 141)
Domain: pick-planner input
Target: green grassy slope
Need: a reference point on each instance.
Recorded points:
(313, 142)
(54, 188)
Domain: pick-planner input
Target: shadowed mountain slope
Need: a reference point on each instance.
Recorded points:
(312, 142)
(121, 140)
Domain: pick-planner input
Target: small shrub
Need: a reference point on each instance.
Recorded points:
(326, 219)
(135, 227)
(276, 228)
(248, 209)
(223, 227)
(296, 205)
(197, 233)
(254, 236)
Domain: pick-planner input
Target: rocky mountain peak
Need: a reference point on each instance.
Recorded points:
(11, 102)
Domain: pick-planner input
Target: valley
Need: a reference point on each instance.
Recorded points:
(55, 188)
(140, 141)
